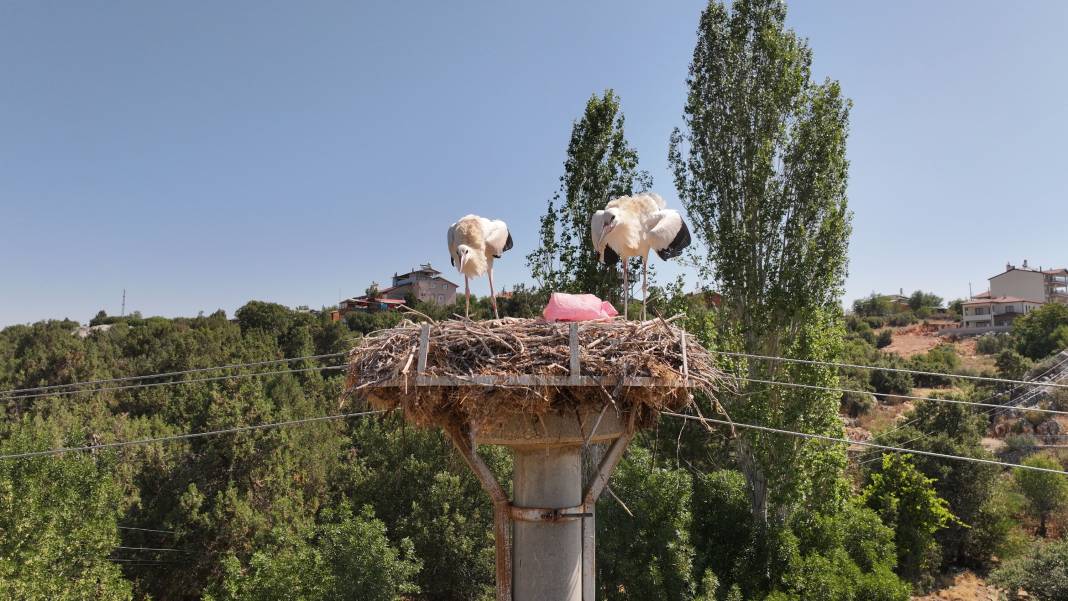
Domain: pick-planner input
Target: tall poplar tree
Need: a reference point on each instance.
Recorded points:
(600, 166)
(760, 166)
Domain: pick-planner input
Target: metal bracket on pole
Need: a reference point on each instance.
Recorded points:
(545, 514)
(502, 519)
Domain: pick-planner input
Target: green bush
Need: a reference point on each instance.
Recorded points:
(647, 555)
(855, 404)
(900, 320)
(884, 339)
(875, 322)
(349, 558)
(906, 501)
(1042, 331)
(891, 382)
(1042, 572)
(993, 343)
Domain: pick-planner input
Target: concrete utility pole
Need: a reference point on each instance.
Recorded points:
(546, 535)
(123, 313)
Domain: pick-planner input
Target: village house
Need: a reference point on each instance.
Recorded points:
(1014, 292)
(424, 284)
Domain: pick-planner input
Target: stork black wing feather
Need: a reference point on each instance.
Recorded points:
(610, 256)
(681, 241)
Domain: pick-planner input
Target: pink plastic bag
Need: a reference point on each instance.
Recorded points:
(577, 307)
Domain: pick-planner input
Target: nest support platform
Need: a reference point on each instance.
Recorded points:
(545, 536)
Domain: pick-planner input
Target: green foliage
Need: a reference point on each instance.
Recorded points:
(348, 558)
(600, 166)
(955, 429)
(58, 522)
(1012, 365)
(907, 502)
(924, 300)
(760, 167)
(1045, 492)
(993, 343)
(873, 305)
(1042, 572)
(892, 382)
(649, 555)
(418, 486)
(721, 518)
(884, 339)
(1042, 331)
(941, 359)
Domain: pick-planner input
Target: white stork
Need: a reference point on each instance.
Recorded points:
(631, 226)
(474, 242)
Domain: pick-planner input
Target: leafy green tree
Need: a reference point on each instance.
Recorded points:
(760, 166)
(1042, 572)
(873, 305)
(350, 558)
(1045, 492)
(924, 300)
(968, 487)
(58, 523)
(907, 502)
(1012, 365)
(600, 166)
(647, 555)
(1042, 331)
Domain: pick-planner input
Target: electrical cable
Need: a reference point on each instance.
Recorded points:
(882, 368)
(186, 436)
(6, 393)
(173, 382)
(862, 443)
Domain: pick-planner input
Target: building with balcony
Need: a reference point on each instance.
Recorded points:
(1014, 292)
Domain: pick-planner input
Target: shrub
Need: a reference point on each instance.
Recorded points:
(884, 339)
(1043, 572)
(1042, 331)
(875, 321)
(900, 320)
(905, 499)
(993, 343)
(891, 382)
(856, 404)
(1046, 492)
(1011, 364)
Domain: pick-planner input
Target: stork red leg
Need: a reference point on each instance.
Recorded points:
(467, 295)
(645, 282)
(493, 295)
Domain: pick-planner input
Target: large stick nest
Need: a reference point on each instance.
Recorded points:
(383, 369)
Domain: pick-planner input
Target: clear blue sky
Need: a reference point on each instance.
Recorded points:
(201, 154)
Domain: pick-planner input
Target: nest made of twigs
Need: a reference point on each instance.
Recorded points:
(641, 363)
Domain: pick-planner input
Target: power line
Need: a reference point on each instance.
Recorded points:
(165, 374)
(172, 383)
(863, 443)
(164, 550)
(145, 530)
(883, 368)
(900, 396)
(186, 436)
(1010, 405)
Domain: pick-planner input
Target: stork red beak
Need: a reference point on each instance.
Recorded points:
(463, 261)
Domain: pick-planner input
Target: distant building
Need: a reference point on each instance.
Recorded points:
(424, 284)
(1014, 292)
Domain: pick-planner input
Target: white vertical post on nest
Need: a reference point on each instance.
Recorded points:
(576, 366)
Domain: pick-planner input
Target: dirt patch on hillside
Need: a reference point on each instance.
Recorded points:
(912, 340)
(963, 586)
